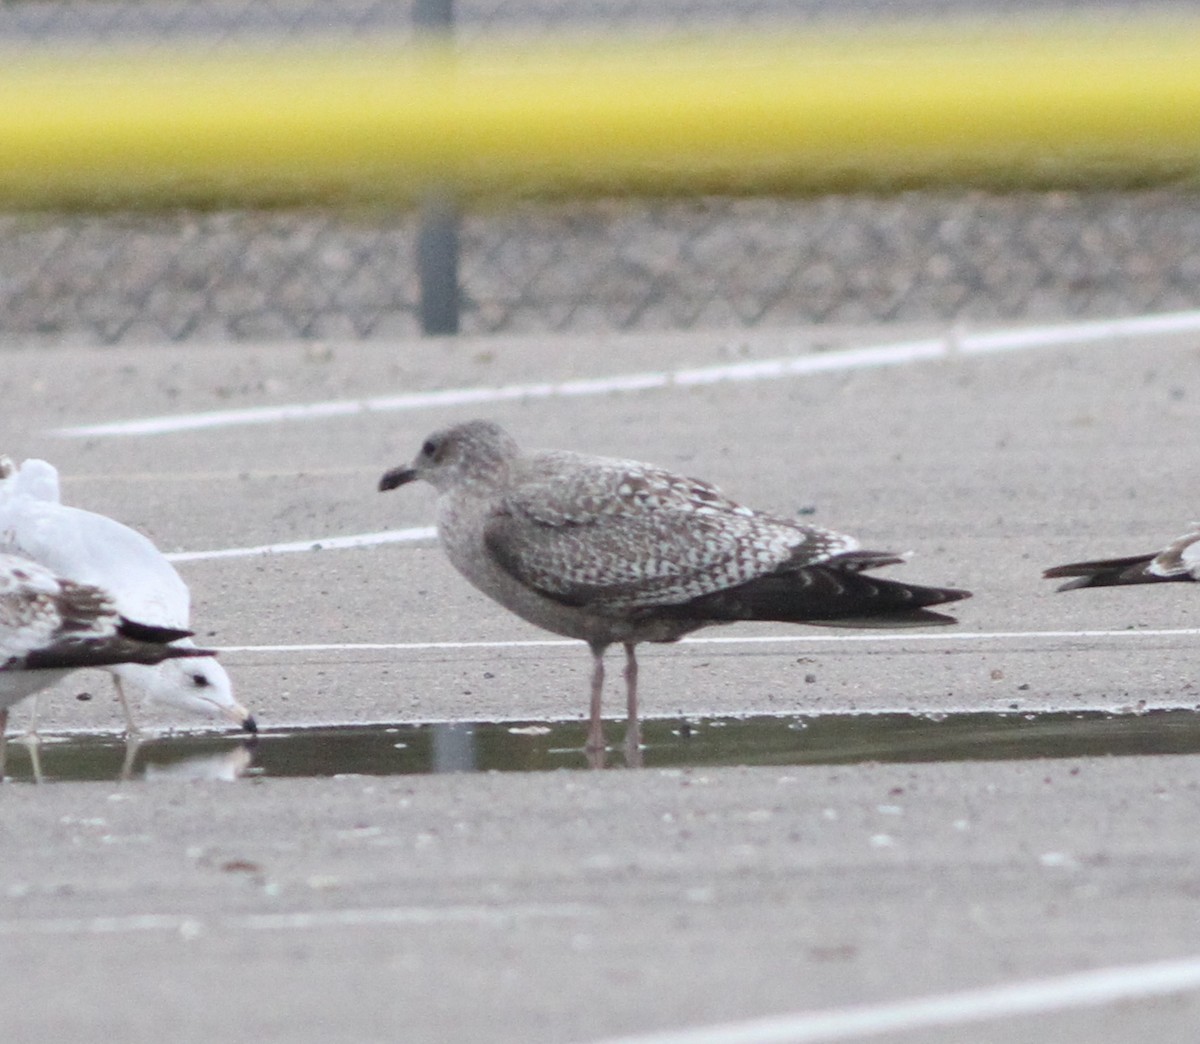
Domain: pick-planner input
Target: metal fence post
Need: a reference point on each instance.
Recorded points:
(437, 237)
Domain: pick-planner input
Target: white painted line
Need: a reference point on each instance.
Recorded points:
(941, 635)
(185, 924)
(1053, 335)
(113, 925)
(410, 915)
(1089, 989)
(337, 543)
(887, 355)
(947, 634)
(532, 643)
(894, 354)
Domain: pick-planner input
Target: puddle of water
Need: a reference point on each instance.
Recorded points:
(827, 739)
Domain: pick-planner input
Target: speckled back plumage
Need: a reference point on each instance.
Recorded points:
(620, 535)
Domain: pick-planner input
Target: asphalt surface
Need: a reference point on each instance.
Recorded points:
(576, 906)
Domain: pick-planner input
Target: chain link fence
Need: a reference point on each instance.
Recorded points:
(616, 264)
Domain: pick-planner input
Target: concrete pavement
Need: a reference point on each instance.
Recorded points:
(575, 906)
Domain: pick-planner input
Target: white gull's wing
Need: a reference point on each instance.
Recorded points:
(93, 549)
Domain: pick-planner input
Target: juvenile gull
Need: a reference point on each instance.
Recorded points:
(93, 549)
(1179, 560)
(617, 551)
(50, 626)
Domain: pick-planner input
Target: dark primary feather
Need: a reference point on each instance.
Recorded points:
(1179, 560)
(833, 591)
(152, 632)
(72, 652)
(1110, 572)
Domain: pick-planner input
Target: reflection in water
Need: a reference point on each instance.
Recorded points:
(56, 758)
(226, 765)
(382, 750)
(453, 747)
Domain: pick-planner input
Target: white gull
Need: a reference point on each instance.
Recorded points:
(90, 548)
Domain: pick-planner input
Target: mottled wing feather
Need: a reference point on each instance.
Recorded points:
(1180, 559)
(37, 609)
(50, 623)
(618, 536)
(71, 651)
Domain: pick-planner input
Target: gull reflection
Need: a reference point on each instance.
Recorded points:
(226, 765)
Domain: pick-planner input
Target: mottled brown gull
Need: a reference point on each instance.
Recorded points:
(618, 551)
(1179, 560)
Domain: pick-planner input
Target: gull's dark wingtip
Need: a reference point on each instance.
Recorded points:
(1077, 579)
(1072, 569)
(1107, 572)
(151, 632)
(949, 594)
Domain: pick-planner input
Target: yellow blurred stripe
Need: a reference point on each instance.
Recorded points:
(1031, 103)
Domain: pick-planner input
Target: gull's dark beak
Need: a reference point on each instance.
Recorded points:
(396, 477)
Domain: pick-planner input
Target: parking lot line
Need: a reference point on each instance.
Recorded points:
(868, 357)
(770, 639)
(334, 543)
(1087, 989)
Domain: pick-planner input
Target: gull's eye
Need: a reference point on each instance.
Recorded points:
(429, 449)
(200, 681)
